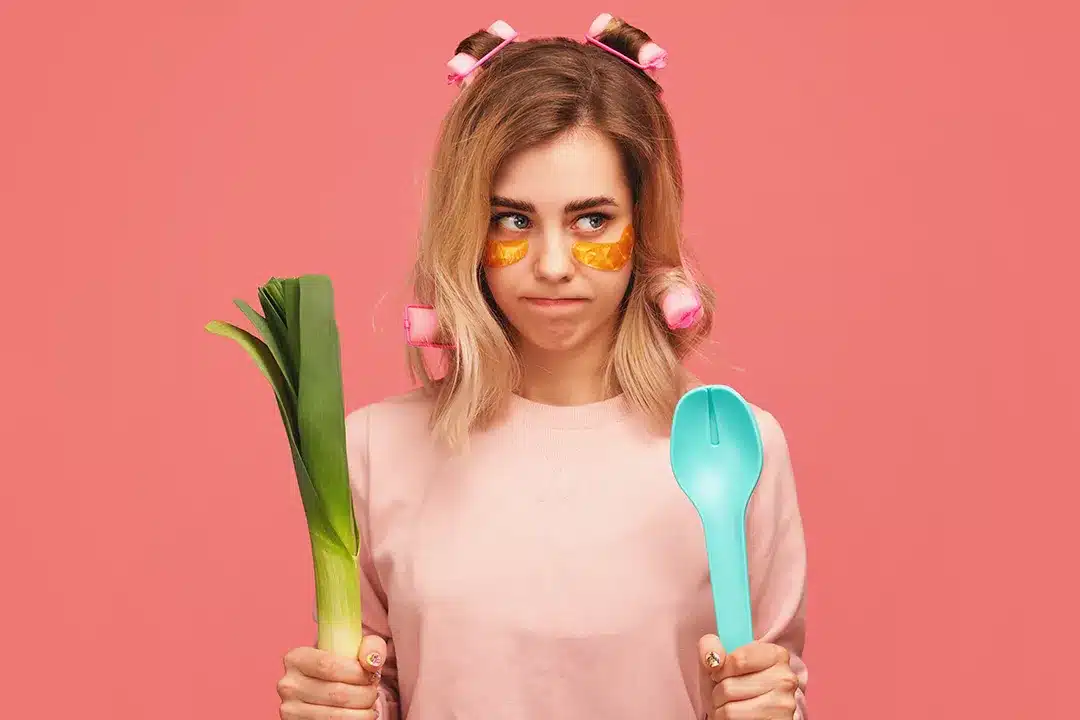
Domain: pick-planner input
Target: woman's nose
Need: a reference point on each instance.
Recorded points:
(555, 261)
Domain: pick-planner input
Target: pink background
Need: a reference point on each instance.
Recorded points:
(883, 194)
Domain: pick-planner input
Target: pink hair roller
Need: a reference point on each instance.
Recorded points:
(681, 307)
(599, 24)
(502, 29)
(459, 65)
(463, 66)
(421, 327)
(650, 57)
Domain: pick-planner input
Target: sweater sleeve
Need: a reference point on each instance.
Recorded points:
(776, 553)
(372, 594)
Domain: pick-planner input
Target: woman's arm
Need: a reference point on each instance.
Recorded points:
(372, 594)
(776, 550)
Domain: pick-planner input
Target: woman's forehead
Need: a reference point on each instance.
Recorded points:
(575, 165)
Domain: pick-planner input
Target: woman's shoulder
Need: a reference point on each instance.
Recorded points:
(402, 418)
(413, 402)
(773, 439)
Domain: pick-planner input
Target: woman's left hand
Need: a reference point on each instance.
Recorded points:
(754, 682)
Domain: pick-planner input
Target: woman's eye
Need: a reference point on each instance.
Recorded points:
(513, 222)
(591, 223)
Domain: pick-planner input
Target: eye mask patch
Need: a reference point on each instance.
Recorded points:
(605, 256)
(500, 253)
(597, 255)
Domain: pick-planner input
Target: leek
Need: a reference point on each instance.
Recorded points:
(298, 352)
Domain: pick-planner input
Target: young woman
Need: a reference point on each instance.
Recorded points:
(526, 550)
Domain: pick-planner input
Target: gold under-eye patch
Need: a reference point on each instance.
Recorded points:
(500, 253)
(605, 256)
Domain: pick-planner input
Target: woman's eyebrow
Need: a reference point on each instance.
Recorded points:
(589, 203)
(519, 205)
(573, 206)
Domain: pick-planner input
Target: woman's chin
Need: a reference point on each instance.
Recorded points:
(560, 337)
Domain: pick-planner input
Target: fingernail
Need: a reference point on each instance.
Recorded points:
(712, 659)
(374, 659)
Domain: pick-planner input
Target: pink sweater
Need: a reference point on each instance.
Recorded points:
(556, 570)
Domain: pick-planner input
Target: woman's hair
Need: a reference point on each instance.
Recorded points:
(527, 94)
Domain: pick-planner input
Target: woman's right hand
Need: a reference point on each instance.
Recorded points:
(319, 685)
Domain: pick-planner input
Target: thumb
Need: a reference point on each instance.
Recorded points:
(372, 656)
(711, 652)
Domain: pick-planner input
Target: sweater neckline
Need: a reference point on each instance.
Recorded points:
(539, 415)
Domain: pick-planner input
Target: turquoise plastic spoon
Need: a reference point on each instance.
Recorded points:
(716, 457)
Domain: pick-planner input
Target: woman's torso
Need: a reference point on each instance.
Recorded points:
(553, 570)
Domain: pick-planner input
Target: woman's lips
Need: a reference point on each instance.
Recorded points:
(545, 302)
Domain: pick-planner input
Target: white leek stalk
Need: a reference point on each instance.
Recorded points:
(297, 350)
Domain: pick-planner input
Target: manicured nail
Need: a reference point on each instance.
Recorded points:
(712, 659)
(374, 659)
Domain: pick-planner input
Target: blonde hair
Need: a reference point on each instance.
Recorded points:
(529, 93)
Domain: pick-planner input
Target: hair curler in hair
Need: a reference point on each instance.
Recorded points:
(650, 57)
(681, 306)
(463, 66)
(422, 326)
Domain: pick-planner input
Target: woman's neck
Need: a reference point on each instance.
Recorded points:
(567, 377)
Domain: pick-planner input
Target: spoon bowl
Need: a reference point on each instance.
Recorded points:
(716, 457)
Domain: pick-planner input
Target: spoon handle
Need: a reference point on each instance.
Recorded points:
(725, 545)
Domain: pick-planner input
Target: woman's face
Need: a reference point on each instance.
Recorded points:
(558, 246)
